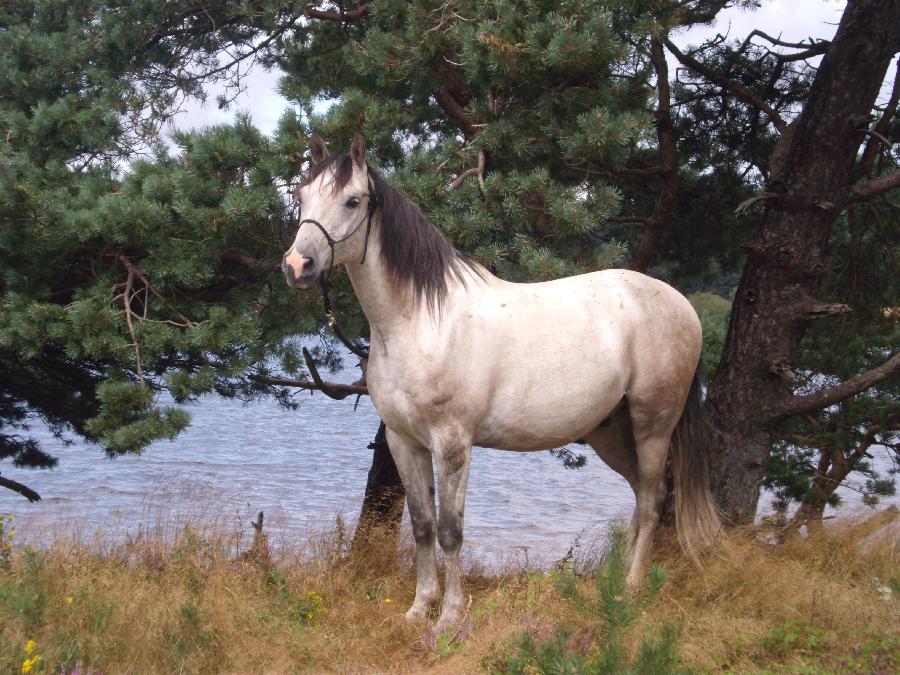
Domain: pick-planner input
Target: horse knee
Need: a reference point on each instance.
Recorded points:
(450, 533)
(423, 529)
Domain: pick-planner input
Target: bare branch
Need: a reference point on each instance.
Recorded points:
(826, 397)
(735, 88)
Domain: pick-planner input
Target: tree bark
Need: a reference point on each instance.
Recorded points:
(382, 506)
(786, 259)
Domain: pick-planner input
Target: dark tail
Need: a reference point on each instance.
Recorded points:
(696, 519)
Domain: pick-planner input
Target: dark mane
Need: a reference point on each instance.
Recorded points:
(415, 252)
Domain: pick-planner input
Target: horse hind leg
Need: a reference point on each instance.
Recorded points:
(414, 466)
(652, 435)
(613, 442)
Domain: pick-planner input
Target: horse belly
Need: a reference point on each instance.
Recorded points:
(550, 415)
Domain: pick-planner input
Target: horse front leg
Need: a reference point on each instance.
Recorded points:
(414, 466)
(453, 459)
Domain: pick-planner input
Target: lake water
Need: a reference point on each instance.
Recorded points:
(303, 468)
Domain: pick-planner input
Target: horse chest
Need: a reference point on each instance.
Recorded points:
(413, 396)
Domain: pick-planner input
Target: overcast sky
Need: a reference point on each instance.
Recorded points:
(792, 20)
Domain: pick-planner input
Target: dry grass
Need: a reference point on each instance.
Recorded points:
(190, 604)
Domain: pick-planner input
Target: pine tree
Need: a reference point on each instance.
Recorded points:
(128, 269)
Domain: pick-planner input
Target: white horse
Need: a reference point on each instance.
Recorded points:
(459, 358)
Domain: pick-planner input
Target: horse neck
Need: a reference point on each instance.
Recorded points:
(387, 310)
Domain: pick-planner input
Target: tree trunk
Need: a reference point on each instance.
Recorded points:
(382, 506)
(775, 298)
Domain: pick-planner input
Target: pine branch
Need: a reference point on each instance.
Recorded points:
(739, 90)
(826, 397)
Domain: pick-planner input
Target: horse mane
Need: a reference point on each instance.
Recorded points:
(416, 253)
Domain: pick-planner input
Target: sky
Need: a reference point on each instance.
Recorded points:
(791, 20)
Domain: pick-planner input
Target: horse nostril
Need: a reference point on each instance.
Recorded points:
(308, 265)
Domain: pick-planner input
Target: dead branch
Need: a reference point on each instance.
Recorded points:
(781, 43)
(628, 219)
(881, 127)
(342, 17)
(330, 390)
(668, 158)
(133, 269)
(23, 490)
(479, 170)
(739, 90)
(821, 399)
(334, 387)
(872, 188)
(814, 309)
(127, 296)
(456, 112)
(810, 49)
(646, 171)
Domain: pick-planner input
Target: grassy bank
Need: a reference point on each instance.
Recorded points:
(193, 605)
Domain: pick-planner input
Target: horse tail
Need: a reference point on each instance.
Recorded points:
(696, 519)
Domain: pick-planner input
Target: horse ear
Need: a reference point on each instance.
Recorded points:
(358, 150)
(317, 148)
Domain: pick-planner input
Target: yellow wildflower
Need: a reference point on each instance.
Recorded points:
(29, 646)
(69, 599)
(29, 664)
(387, 600)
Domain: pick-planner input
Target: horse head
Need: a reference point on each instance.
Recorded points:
(336, 202)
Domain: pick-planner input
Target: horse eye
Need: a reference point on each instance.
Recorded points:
(352, 203)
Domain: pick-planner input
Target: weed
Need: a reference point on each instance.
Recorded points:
(7, 529)
(796, 634)
(25, 597)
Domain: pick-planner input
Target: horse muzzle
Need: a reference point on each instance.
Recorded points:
(299, 271)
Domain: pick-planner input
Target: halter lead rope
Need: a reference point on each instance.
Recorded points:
(323, 280)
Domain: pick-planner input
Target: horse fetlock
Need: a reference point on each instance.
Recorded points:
(421, 606)
(417, 612)
(450, 617)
